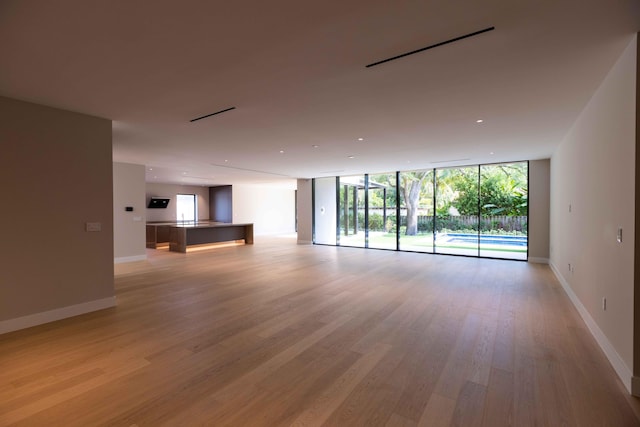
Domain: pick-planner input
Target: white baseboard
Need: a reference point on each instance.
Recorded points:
(123, 259)
(538, 260)
(625, 374)
(35, 319)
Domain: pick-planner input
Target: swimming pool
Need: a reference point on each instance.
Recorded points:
(487, 239)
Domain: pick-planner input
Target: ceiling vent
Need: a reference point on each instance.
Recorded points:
(430, 47)
(212, 114)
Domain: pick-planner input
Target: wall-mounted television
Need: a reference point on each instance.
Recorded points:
(158, 203)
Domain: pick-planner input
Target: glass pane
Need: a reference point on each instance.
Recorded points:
(325, 211)
(416, 211)
(351, 211)
(457, 211)
(382, 211)
(186, 207)
(504, 210)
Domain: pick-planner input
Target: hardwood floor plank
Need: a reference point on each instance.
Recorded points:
(498, 409)
(469, 405)
(278, 334)
(324, 406)
(438, 413)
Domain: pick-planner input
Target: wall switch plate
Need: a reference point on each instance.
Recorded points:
(93, 226)
(619, 237)
(604, 304)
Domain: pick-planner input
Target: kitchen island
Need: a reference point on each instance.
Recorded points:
(181, 235)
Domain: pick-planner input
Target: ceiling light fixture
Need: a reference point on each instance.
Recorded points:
(351, 157)
(281, 151)
(431, 47)
(315, 146)
(479, 121)
(360, 139)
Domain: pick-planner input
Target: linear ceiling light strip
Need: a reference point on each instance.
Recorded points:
(431, 47)
(213, 114)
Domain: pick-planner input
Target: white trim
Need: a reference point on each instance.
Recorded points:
(538, 260)
(56, 314)
(305, 242)
(616, 361)
(122, 259)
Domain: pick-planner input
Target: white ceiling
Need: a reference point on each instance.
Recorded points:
(295, 71)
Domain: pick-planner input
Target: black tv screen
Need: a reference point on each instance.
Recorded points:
(158, 203)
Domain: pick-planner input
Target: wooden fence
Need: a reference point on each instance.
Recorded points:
(459, 222)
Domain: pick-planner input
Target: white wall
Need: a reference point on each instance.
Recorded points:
(170, 191)
(128, 227)
(539, 187)
(270, 209)
(325, 210)
(305, 220)
(56, 168)
(593, 172)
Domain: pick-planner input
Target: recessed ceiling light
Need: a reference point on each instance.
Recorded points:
(352, 157)
(491, 153)
(315, 146)
(281, 151)
(150, 169)
(360, 139)
(479, 121)
(184, 173)
(226, 161)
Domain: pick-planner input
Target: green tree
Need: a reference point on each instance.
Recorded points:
(411, 184)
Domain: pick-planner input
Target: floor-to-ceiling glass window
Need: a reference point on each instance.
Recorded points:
(324, 212)
(504, 209)
(457, 211)
(382, 211)
(416, 211)
(352, 211)
(479, 210)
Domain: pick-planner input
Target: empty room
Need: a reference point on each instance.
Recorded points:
(320, 214)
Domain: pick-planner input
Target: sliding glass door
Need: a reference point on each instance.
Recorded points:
(504, 209)
(479, 210)
(457, 211)
(382, 211)
(351, 211)
(416, 211)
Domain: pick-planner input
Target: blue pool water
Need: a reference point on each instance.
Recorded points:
(486, 239)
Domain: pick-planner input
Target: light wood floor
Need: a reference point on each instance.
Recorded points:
(279, 334)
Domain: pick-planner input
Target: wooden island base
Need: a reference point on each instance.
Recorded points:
(180, 236)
